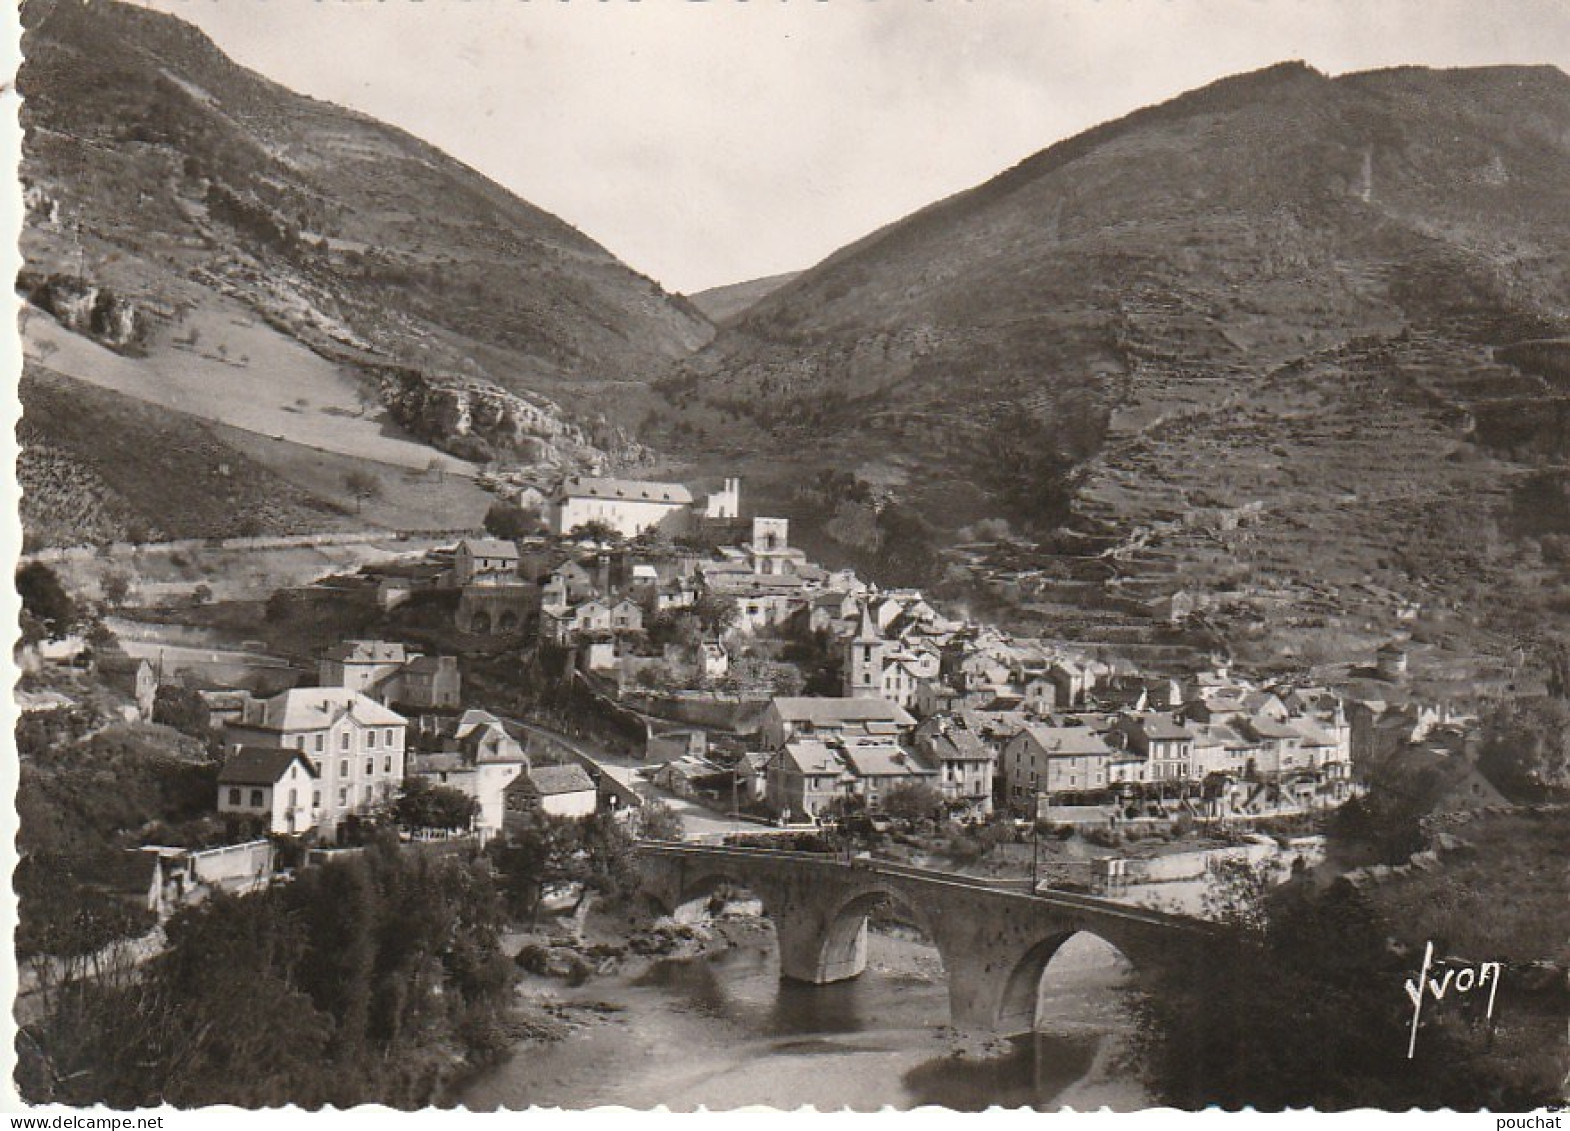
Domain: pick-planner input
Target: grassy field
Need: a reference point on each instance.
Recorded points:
(241, 372)
(97, 465)
(411, 498)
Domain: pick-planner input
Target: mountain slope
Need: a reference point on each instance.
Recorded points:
(1230, 230)
(722, 304)
(1284, 292)
(165, 185)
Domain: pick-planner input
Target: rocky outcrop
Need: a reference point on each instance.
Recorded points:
(482, 422)
(86, 308)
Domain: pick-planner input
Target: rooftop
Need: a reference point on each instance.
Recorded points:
(490, 548)
(823, 711)
(367, 652)
(551, 780)
(316, 708)
(260, 765)
(1066, 741)
(582, 487)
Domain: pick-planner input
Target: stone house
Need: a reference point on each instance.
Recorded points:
(132, 677)
(360, 665)
(802, 779)
(1166, 745)
(479, 758)
(965, 763)
(485, 561)
(1043, 758)
(563, 791)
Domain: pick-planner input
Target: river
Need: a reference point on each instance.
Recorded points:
(721, 1031)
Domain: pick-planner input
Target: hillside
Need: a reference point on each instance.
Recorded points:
(722, 304)
(160, 474)
(1282, 291)
(197, 219)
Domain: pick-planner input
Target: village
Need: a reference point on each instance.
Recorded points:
(702, 664)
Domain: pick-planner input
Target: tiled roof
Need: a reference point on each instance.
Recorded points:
(490, 548)
(883, 759)
(551, 780)
(641, 490)
(367, 652)
(1067, 741)
(821, 711)
(315, 708)
(809, 756)
(1162, 727)
(259, 765)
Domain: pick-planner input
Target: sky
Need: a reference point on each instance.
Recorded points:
(707, 142)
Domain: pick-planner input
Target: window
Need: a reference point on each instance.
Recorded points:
(256, 799)
(387, 764)
(370, 740)
(234, 796)
(343, 797)
(370, 766)
(294, 798)
(390, 740)
(316, 799)
(321, 742)
(343, 767)
(368, 794)
(343, 740)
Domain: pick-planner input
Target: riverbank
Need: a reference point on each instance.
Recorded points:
(710, 1024)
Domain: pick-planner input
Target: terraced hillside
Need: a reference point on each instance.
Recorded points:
(1332, 300)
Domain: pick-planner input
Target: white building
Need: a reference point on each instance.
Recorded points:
(355, 745)
(479, 758)
(278, 785)
(627, 506)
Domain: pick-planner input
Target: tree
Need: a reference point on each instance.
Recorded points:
(511, 521)
(1526, 748)
(594, 530)
(1295, 1001)
(362, 485)
(658, 821)
(45, 603)
(912, 801)
(534, 856)
(425, 805)
(116, 588)
(716, 612)
(181, 708)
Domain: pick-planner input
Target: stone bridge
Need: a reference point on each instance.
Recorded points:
(994, 940)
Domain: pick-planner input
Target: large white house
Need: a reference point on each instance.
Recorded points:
(627, 506)
(355, 745)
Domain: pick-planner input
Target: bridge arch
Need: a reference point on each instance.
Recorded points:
(842, 950)
(1019, 1006)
